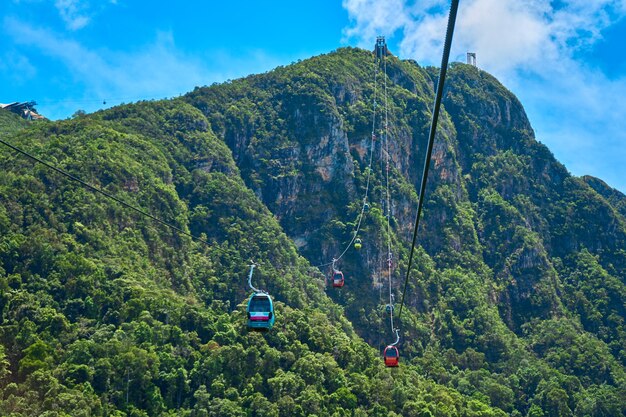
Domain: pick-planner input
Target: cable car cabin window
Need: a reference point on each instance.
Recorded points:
(391, 353)
(260, 305)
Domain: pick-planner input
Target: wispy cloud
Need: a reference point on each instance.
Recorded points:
(73, 13)
(156, 70)
(371, 18)
(508, 34)
(533, 47)
(17, 67)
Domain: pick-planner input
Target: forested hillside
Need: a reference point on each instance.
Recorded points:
(10, 122)
(515, 305)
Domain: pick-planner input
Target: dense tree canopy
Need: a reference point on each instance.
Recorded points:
(516, 305)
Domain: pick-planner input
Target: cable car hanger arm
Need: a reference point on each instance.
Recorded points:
(252, 266)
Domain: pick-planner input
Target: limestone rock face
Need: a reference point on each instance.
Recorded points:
(496, 202)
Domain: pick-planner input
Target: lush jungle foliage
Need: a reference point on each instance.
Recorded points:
(10, 123)
(516, 304)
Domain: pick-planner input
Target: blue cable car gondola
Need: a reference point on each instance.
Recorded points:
(260, 312)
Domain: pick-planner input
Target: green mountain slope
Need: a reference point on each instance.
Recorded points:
(613, 196)
(515, 307)
(513, 246)
(10, 123)
(105, 312)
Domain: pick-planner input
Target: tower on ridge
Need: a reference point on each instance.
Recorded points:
(380, 49)
(471, 58)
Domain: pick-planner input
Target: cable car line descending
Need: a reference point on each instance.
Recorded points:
(260, 309)
(104, 193)
(391, 355)
(388, 197)
(365, 206)
(431, 137)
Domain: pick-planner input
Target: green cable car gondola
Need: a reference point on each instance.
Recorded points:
(260, 311)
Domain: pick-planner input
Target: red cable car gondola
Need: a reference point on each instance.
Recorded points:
(391, 356)
(338, 279)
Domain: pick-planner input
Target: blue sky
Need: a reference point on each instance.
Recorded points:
(564, 59)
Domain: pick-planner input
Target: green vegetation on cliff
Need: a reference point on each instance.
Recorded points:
(10, 123)
(516, 306)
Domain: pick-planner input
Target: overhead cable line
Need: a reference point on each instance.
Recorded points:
(153, 97)
(388, 199)
(104, 193)
(369, 173)
(431, 137)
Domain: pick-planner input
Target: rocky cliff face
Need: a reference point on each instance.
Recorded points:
(303, 145)
(500, 210)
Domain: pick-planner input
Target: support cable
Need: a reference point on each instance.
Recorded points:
(431, 137)
(104, 193)
(397, 331)
(256, 290)
(388, 199)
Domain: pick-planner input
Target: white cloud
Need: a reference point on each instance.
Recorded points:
(73, 13)
(375, 17)
(157, 70)
(533, 47)
(508, 34)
